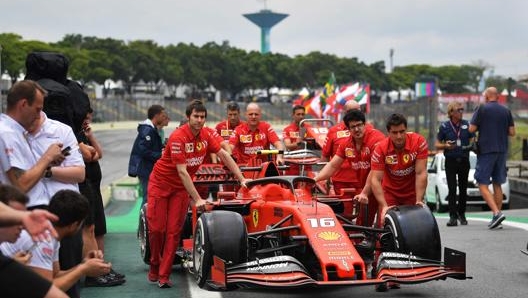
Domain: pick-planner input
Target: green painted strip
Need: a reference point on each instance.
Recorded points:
(126, 223)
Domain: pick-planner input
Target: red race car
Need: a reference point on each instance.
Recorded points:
(277, 233)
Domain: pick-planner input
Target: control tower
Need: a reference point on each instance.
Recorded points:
(265, 19)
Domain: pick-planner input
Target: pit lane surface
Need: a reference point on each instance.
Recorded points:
(494, 261)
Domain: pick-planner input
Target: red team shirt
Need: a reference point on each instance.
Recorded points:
(184, 148)
(225, 132)
(359, 160)
(247, 142)
(292, 133)
(223, 129)
(399, 176)
(337, 135)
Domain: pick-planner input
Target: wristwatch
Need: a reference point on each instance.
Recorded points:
(48, 173)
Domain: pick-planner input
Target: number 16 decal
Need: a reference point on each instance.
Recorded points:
(325, 222)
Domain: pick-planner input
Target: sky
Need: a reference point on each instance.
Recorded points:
(435, 32)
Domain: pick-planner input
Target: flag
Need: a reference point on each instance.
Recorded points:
(328, 91)
(301, 97)
(356, 91)
(363, 97)
(313, 106)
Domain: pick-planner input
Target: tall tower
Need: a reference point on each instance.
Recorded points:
(265, 19)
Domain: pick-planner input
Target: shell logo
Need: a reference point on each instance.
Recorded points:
(329, 236)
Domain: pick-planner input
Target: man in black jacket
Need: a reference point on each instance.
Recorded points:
(147, 146)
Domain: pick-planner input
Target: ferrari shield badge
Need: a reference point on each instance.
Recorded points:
(255, 216)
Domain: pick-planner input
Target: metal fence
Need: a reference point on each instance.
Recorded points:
(423, 115)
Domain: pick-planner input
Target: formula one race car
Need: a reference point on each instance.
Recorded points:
(276, 233)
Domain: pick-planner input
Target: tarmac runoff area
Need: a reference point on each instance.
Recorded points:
(127, 188)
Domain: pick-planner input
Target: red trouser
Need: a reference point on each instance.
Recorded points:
(395, 200)
(372, 210)
(166, 213)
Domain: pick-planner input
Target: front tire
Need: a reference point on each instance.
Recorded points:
(414, 230)
(218, 233)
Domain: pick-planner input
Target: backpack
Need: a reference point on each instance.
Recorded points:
(57, 103)
(49, 65)
(66, 100)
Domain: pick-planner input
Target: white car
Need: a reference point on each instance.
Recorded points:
(436, 193)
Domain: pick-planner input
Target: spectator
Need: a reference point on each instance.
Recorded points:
(172, 177)
(337, 135)
(494, 123)
(399, 167)
(94, 228)
(147, 146)
(71, 208)
(15, 277)
(20, 167)
(453, 137)
(30, 166)
(13, 198)
(357, 151)
(254, 135)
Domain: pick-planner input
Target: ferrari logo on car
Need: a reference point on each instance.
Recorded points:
(255, 216)
(329, 236)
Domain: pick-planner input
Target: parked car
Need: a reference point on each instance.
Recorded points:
(436, 193)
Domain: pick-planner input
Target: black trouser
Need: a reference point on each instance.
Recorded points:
(457, 167)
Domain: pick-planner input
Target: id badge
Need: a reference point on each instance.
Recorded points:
(458, 143)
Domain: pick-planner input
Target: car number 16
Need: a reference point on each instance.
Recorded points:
(325, 222)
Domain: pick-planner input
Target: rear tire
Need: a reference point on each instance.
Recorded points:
(414, 230)
(143, 235)
(218, 233)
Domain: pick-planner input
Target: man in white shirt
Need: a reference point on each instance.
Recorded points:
(21, 167)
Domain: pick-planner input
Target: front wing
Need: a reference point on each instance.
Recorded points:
(287, 272)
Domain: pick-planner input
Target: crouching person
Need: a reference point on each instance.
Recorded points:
(71, 208)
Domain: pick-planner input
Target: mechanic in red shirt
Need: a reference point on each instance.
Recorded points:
(337, 135)
(254, 135)
(171, 188)
(399, 167)
(291, 136)
(356, 151)
(227, 127)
